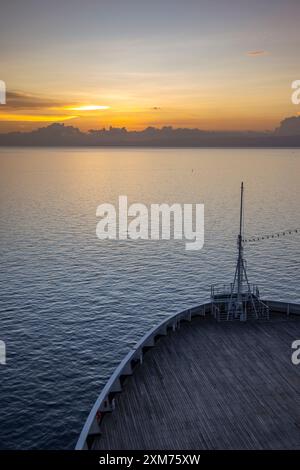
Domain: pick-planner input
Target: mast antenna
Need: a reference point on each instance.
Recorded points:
(240, 262)
(242, 300)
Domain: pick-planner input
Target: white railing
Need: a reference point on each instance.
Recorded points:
(104, 403)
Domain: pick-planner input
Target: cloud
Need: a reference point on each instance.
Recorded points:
(257, 53)
(289, 126)
(21, 100)
(28, 107)
(287, 135)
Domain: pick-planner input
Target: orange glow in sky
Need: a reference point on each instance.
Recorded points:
(34, 118)
(127, 64)
(90, 107)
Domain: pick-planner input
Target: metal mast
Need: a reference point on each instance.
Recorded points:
(237, 306)
(240, 263)
(242, 301)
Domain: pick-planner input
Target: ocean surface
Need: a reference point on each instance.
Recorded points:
(72, 305)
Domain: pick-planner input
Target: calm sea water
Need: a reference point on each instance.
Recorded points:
(72, 306)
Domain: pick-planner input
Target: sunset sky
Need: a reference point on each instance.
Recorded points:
(225, 64)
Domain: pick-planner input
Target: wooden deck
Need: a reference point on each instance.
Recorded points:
(212, 386)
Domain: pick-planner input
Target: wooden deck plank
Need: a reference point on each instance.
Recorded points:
(212, 386)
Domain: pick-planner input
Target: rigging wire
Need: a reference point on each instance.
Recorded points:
(253, 239)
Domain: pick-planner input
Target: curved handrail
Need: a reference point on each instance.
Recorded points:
(289, 308)
(124, 367)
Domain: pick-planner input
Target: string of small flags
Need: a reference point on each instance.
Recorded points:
(273, 235)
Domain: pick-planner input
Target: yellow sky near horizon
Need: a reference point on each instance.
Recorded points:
(237, 109)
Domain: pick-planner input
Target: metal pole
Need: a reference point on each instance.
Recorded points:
(240, 256)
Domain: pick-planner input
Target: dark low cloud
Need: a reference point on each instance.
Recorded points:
(289, 127)
(21, 100)
(286, 135)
